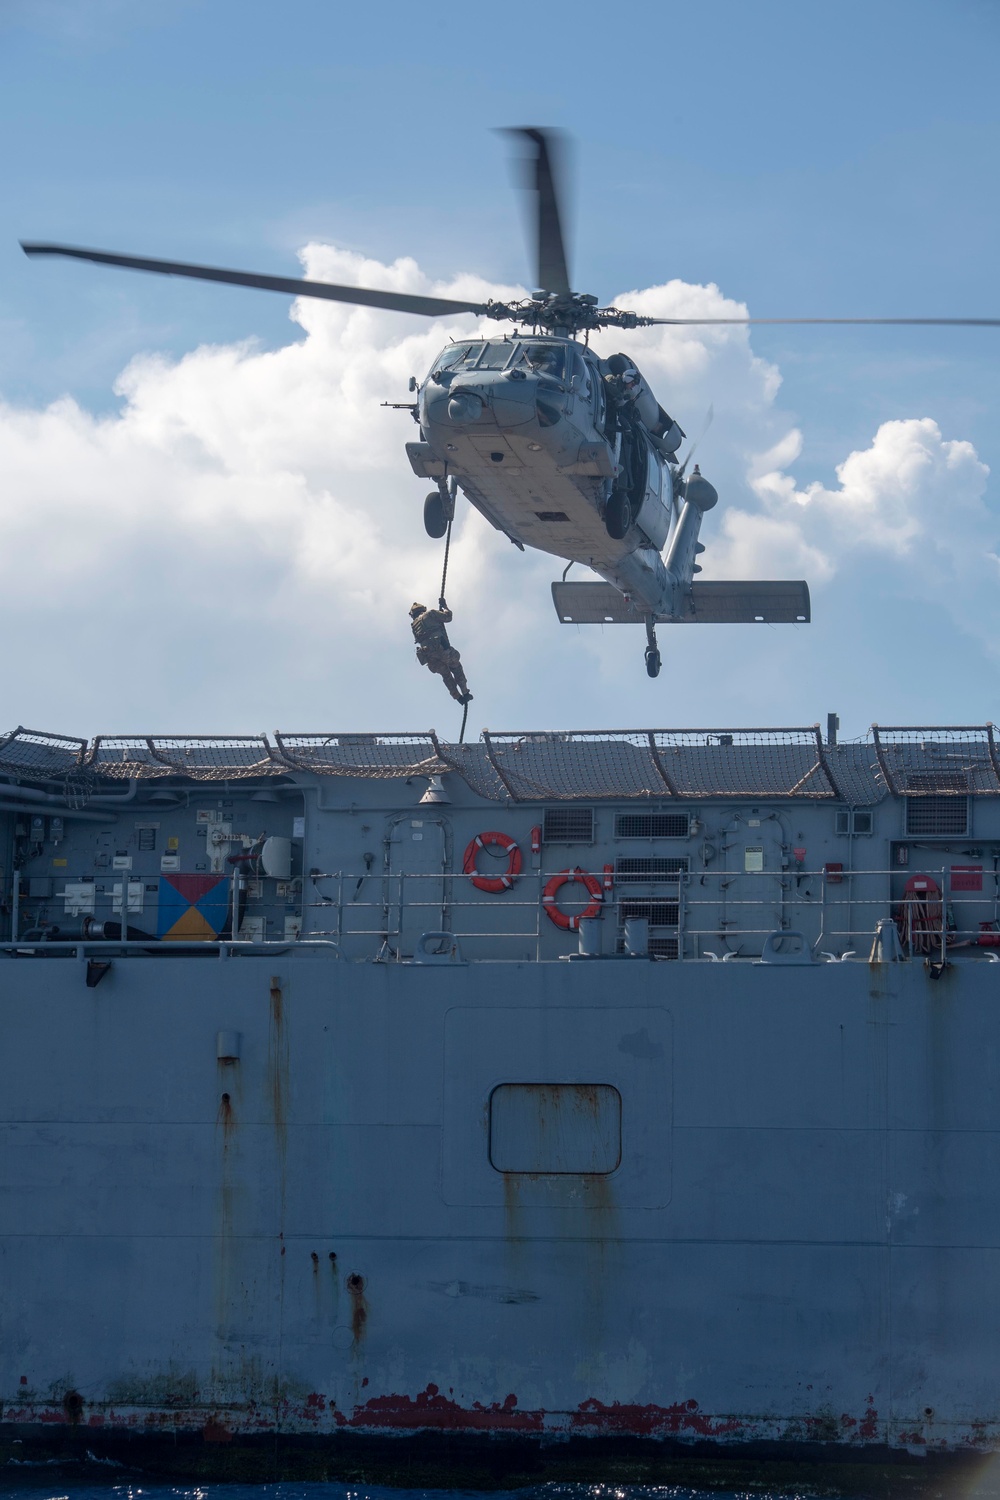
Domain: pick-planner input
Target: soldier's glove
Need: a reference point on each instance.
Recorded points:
(442, 604)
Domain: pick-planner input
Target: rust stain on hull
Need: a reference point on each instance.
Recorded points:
(359, 1306)
(278, 1063)
(432, 1410)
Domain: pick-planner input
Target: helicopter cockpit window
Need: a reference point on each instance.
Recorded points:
(494, 355)
(457, 354)
(544, 359)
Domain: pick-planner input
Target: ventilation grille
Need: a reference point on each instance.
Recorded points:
(652, 825)
(940, 816)
(656, 913)
(652, 867)
(568, 825)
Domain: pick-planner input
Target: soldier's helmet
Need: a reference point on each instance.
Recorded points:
(417, 609)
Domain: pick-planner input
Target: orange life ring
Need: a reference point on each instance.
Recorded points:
(492, 883)
(566, 877)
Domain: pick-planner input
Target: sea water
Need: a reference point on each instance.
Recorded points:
(36, 1488)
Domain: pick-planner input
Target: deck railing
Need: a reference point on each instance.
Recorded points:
(691, 915)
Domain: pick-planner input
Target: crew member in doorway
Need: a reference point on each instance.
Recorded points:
(435, 651)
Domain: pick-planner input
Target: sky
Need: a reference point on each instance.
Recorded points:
(207, 520)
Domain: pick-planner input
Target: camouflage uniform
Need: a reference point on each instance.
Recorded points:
(435, 651)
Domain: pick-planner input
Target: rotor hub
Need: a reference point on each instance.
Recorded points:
(565, 313)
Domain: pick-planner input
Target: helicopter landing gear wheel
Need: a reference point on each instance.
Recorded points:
(435, 515)
(618, 515)
(653, 662)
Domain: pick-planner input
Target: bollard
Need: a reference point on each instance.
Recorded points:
(636, 937)
(591, 934)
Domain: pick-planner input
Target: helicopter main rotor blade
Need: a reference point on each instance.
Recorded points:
(427, 307)
(855, 322)
(545, 182)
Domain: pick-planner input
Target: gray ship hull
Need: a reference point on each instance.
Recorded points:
(798, 1251)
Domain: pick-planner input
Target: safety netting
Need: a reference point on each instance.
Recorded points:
(917, 761)
(367, 755)
(198, 757)
(687, 763)
(32, 752)
(746, 762)
(525, 766)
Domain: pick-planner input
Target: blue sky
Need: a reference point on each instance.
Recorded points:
(805, 159)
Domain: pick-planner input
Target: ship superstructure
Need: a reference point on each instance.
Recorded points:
(633, 1085)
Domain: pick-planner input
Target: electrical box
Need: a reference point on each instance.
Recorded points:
(80, 898)
(135, 896)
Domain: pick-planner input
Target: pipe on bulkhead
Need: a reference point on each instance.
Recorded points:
(85, 930)
(104, 799)
(65, 812)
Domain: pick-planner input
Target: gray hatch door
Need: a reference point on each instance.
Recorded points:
(415, 876)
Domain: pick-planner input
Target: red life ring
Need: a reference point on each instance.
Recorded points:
(566, 877)
(492, 883)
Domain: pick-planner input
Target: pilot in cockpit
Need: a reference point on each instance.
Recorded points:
(545, 359)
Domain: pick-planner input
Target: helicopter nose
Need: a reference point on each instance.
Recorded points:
(465, 406)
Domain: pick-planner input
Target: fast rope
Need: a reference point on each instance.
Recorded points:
(442, 595)
(447, 549)
(444, 580)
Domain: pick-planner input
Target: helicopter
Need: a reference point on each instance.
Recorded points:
(560, 450)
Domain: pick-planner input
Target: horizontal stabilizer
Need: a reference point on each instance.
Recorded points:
(719, 602)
